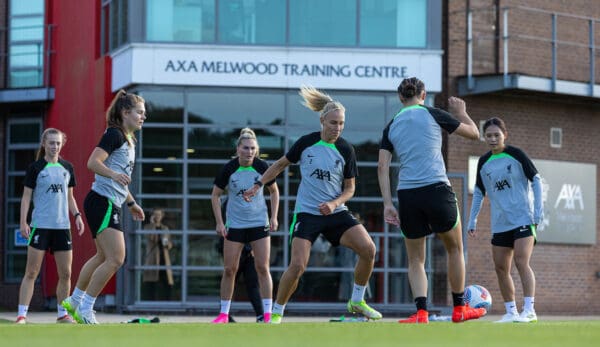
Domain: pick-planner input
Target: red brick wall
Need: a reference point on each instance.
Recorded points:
(566, 274)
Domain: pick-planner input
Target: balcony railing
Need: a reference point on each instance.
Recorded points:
(527, 41)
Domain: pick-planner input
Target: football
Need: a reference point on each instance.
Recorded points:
(477, 296)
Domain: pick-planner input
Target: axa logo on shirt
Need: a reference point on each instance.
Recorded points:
(500, 185)
(321, 174)
(55, 188)
(570, 194)
(129, 167)
(240, 192)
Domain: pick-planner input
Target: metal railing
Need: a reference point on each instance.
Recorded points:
(533, 37)
(28, 49)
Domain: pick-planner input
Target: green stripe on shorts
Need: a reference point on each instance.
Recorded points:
(31, 236)
(106, 219)
(292, 226)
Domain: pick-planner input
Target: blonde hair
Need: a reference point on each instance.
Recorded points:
(319, 101)
(248, 134)
(122, 101)
(42, 150)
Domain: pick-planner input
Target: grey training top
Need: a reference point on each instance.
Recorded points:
(50, 183)
(505, 178)
(241, 214)
(121, 159)
(323, 167)
(415, 135)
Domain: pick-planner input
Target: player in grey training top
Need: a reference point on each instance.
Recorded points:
(112, 163)
(120, 160)
(426, 202)
(247, 222)
(49, 183)
(507, 176)
(328, 168)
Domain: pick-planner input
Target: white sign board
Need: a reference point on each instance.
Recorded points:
(274, 67)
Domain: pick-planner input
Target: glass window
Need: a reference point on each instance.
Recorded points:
(252, 21)
(246, 108)
(204, 285)
(163, 106)
(19, 160)
(203, 251)
(22, 141)
(322, 22)
(163, 143)
(201, 215)
(159, 289)
(20, 7)
(23, 56)
(222, 143)
(26, 29)
(393, 23)
(180, 20)
(399, 289)
(162, 178)
(202, 177)
(172, 208)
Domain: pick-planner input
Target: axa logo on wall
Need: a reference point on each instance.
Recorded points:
(277, 67)
(569, 196)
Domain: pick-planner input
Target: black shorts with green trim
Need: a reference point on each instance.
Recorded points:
(247, 235)
(53, 240)
(426, 210)
(308, 226)
(507, 238)
(101, 213)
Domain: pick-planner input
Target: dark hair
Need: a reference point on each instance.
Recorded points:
(497, 122)
(410, 87)
(121, 101)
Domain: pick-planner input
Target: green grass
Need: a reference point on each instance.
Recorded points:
(484, 334)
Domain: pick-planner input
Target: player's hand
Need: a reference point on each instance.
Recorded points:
(249, 193)
(79, 225)
(456, 105)
(122, 179)
(472, 232)
(221, 230)
(25, 231)
(137, 212)
(274, 224)
(327, 208)
(390, 215)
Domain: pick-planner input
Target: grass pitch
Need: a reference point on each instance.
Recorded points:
(474, 333)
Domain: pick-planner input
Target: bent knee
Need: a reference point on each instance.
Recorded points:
(296, 269)
(368, 251)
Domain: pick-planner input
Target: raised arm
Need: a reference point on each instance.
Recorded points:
(467, 127)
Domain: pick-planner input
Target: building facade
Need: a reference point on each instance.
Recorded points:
(208, 68)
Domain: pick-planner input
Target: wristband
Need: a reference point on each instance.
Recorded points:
(77, 214)
(131, 203)
(258, 183)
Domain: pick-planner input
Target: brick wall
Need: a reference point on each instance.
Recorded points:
(566, 274)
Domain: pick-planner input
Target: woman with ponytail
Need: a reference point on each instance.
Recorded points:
(328, 168)
(112, 163)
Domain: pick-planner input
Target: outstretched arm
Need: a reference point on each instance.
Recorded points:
(268, 176)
